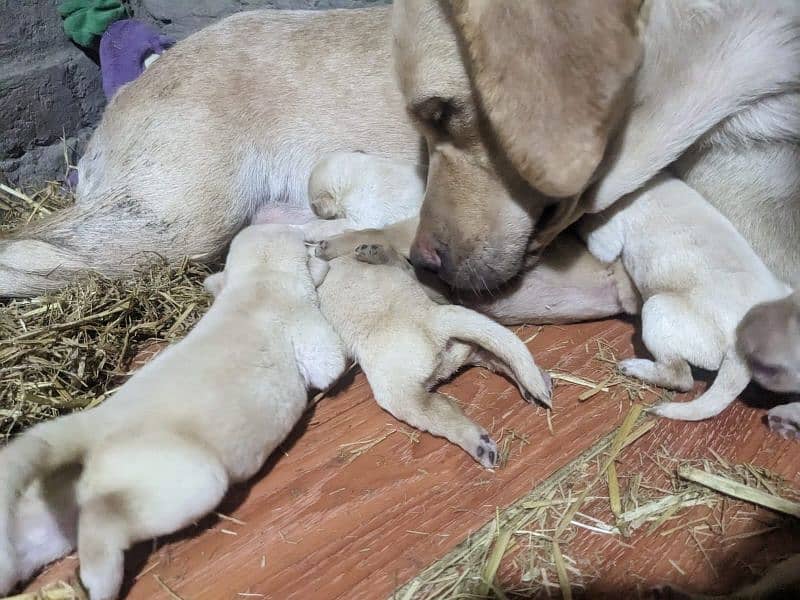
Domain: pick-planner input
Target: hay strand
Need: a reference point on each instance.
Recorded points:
(739, 491)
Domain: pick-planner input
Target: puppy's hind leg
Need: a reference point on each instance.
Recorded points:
(440, 416)
(669, 329)
(457, 322)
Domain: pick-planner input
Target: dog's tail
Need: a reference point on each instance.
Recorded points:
(46, 254)
(35, 453)
(469, 326)
(732, 377)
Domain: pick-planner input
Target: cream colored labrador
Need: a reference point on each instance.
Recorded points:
(698, 277)
(407, 344)
(232, 119)
(164, 449)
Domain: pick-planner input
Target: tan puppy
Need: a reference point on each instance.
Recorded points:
(698, 277)
(204, 414)
(407, 344)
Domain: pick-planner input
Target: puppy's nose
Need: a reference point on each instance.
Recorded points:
(426, 252)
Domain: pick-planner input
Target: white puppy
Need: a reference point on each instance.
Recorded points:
(406, 344)
(204, 414)
(697, 276)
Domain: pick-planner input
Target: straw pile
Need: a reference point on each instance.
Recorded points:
(69, 350)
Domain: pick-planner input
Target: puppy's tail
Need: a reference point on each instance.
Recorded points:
(472, 327)
(33, 454)
(732, 377)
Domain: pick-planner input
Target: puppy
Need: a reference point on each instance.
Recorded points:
(697, 276)
(204, 414)
(406, 344)
(355, 190)
(769, 339)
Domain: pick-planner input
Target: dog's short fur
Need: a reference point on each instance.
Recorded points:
(407, 344)
(204, 414)
(698, 277)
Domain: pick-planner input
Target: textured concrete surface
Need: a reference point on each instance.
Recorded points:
(50, 89)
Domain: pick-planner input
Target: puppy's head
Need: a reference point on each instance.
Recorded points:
(769, 339)
(259, 249)
(516, 100)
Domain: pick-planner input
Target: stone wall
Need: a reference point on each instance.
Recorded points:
(50, 89)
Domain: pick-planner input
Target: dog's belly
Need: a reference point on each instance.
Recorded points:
(235, 116)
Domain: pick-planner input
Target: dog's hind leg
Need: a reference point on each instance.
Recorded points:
(439, 415)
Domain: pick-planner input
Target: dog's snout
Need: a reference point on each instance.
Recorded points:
(427, 253)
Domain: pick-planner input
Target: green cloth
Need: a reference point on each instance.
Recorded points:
(85, 21)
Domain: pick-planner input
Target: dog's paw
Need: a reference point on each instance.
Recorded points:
(785, 420)
(373, 254)
(485, 451)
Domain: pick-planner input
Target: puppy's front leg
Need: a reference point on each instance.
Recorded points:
(785, 420)
(398, 235)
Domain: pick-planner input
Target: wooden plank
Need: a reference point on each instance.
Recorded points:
(320, 526)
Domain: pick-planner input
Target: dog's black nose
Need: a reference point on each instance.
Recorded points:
(427, 253)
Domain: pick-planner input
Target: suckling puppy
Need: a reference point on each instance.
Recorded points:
(406, 344)
(204, 414)
(697, 276)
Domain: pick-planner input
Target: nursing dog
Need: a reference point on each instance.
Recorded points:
(232, 119)
(164, 449)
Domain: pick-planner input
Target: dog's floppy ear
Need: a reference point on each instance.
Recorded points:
(551, 76)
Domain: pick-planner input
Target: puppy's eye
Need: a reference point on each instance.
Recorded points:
(435, 112)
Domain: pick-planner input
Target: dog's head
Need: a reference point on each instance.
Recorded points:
(517, 100)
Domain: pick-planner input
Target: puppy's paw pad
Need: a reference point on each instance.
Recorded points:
(787, 428)
(486, 451)
(371, 253)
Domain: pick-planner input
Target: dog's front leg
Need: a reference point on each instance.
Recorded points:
(568, 285)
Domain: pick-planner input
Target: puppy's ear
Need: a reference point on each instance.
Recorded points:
(214, 283)
(552, 77)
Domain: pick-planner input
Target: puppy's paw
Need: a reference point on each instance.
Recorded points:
(373, 254)
(345, 243)
(785, 420)
(485, 451)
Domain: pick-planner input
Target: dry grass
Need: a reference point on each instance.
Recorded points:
(68, 350)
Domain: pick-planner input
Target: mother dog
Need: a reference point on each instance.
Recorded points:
(519, 106)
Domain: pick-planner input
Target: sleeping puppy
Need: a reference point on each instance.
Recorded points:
(204, 414)
(769, 339)
(407, 344)
(697, 276)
